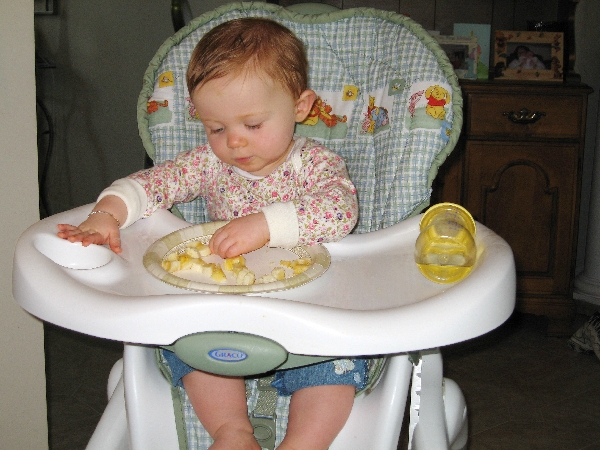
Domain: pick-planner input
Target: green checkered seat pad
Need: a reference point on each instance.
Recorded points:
(394, 102)
(388, 102)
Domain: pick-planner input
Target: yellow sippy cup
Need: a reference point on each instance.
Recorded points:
(445, 250)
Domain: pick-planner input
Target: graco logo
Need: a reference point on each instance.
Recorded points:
(227, 355)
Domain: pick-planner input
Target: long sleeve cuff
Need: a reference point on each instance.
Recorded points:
(132, 194)
(282, 220)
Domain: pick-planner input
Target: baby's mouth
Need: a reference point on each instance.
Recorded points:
(244, 160)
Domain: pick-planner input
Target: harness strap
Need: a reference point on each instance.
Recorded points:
(263, 416)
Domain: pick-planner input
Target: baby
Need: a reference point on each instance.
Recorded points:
(248, 82)
(524, 58)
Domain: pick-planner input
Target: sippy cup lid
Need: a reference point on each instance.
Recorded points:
(448, 210)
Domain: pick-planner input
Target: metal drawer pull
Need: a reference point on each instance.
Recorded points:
(524, 117)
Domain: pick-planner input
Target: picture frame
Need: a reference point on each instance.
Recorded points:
(529, 55)
(462, 51)
(483, 33)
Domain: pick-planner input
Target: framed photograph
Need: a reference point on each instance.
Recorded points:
(529, 55)
(483, 34)
(463, 54)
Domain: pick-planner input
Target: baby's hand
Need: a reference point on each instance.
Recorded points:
(97, 229)
(240, 236)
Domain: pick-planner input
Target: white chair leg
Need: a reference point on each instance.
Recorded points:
(111, 432)
(430, 431)
(149, 403)
(455, 408)
(115, 375)
(438, 413)
(376, 418)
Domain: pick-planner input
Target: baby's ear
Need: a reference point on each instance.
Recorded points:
(304, 104)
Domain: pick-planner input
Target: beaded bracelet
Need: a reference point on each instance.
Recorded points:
(106, 212)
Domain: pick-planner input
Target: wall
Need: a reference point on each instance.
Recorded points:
(441, 15)
(22, 379)
(97, 52)
(100, 50)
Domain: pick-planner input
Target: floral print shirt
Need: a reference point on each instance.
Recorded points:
(313, 178)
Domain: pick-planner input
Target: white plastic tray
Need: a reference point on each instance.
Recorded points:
(372, 300)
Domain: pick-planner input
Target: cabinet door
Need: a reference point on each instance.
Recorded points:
(526, 192)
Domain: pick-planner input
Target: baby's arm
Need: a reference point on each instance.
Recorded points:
(101, 227)
(328, 208)
(324, 207)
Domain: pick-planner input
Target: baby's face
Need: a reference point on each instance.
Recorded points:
(249, 121)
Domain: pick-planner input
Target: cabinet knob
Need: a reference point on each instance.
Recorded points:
(524, 116)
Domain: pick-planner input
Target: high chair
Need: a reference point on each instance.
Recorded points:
(374, 73)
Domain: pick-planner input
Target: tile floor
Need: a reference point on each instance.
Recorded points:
(523, 390)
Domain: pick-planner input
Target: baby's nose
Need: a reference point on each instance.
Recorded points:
(235, 140)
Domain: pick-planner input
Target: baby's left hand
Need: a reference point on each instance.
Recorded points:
(241, 235)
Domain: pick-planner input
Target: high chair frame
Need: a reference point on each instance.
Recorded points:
(105, 295)
(93, 291)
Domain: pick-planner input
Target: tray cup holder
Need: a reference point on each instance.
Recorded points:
(72, 255)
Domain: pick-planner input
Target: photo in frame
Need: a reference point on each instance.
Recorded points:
(483, 34)
(529, 55)
(463, 54)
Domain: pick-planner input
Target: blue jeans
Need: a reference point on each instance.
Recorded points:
(352, 372)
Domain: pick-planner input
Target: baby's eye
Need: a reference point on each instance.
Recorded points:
(254, 127)
(216, 131)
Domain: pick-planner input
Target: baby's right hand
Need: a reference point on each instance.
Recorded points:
(97, 229)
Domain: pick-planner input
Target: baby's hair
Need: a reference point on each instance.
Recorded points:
(250, 45)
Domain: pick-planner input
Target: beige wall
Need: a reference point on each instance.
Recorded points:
(22, 380)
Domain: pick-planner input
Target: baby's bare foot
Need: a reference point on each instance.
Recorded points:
(229, 438)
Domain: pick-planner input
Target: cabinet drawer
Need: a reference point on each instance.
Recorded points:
(558, 117)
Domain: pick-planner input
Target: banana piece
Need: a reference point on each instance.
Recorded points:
(217, 273)
(297, 265)
(245, 277)
(234, 264)
(277, 274)
(191, 259)
(237, 266)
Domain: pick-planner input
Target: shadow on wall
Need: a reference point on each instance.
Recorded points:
(100, 52)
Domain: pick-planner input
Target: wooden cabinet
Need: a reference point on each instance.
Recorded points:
(517, 169)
